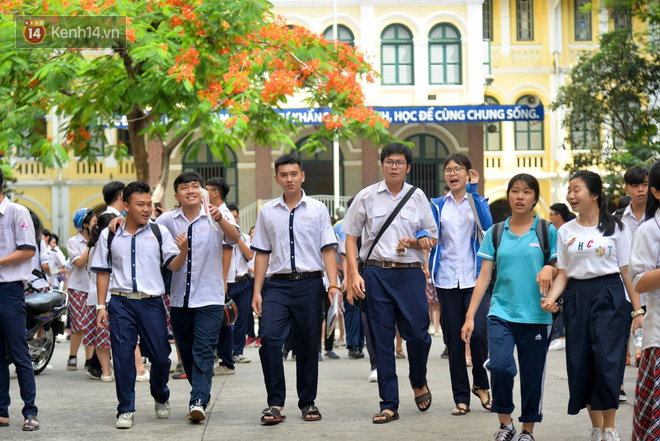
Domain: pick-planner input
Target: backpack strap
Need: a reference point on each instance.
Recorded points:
(498, 230)
(111, 236)
(159, 237)
(542, 227)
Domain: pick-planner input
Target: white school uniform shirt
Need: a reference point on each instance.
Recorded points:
(56, 261)
(457, 221)
(632, 223)
(238, 266)
(135, 265)
(585, 253)
(112, 210)
(645, 257)
(294, 238)
(16, 233)
(201, 276)
(92, 293)
(368, 212)
(39, 259)
(79, 276)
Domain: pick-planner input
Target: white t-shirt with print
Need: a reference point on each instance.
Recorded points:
(585, 253)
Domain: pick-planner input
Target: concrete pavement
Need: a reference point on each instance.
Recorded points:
(73, 407)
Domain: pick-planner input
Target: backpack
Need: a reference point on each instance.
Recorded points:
(164, 271)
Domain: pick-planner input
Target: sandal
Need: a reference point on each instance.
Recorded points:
(400, 354)
(274, 414)
(460, 411)
(311, 411)
(419, 401)
(31, 424)
(388, 417)
(485, 404)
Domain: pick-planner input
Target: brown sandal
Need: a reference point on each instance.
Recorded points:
(419, 401)
(485, 404)
(388, 417)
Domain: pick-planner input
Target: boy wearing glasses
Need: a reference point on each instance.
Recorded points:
(393, 281)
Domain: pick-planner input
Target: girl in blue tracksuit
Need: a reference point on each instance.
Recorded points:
(454, 267)
(515, 318)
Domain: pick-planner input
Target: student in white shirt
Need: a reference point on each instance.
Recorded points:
(393, 284)
(645, 272)
(197, 292)
(16, 250)
(593, 253)
(56, 262)
(40, 263)
(294, 243)
(131, 269)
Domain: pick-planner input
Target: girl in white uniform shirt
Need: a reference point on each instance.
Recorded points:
(645, 271)
(592, 257)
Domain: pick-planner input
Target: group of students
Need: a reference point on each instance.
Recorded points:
(497, 291)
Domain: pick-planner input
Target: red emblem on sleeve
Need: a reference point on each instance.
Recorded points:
(24, 226)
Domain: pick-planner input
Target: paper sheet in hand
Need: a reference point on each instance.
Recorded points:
(333, 315)
(205, 204)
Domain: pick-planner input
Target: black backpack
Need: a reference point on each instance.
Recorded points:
(164, 271)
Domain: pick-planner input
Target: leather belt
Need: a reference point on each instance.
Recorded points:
(132, 295)
(297, 276)
(393, 265)
(241, 278)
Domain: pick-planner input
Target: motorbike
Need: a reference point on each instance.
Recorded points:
(43, 324)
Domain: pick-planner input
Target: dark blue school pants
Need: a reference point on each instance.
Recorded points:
(597, 322)
(196, 332)
(225, 346)
(12, 339)
(354, 328)
(146, 318)
(296, 305)
(396, 298)
(241, 294)
(531, 341)
(454, 304)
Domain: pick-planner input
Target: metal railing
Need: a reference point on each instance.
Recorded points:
(248, 215)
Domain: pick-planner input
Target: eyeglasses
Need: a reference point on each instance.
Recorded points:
(455, 170)
(398, 164)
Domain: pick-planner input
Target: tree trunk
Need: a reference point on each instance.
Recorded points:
(168, 148)
(136, 123)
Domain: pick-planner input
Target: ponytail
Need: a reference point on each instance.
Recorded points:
(652, 204)
(606, 221)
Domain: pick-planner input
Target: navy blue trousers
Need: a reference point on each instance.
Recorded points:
(12, 339)
(531, 341)
(241, 293)
(225, 346)
(146, 318)
(454, 304)
(597, 321)
(369, 341)
(296, 305)
(396, 298)
(196, 332)
(354, 328)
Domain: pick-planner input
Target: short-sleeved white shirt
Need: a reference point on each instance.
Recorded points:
(585, 253)
(135, 262)
(294, 238)
(200, 279)
(16, 233)
(239, 264)
(371, 208)
(40, 258)
(79, 276)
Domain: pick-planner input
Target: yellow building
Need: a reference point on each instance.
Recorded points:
(436, 57)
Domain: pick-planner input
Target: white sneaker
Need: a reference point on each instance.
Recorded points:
(108, 378)
(125, 420)
(340, 343)
(611, 434)
(223, 370)
(557, 344)
(197, 412)
(373, 376)
(596, 434)
(241, 359)
(144, 377)
(162, 409)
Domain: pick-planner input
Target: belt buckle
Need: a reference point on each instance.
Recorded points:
(296, 276)
(134, 295)
(389, 265)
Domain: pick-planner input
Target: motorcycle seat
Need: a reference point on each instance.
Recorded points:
(41, 302)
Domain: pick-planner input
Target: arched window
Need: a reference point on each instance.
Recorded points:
(444, 55)
(318, 168)
(345, 35)
(529, 135)
(427, 170)
(209, 166)
(492, 140)
(396, 53)
(584, 134)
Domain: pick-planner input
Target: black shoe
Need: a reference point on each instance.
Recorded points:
(355, 353)
(622, 396)
(94, 373)
(285, 354)
(445, 354)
